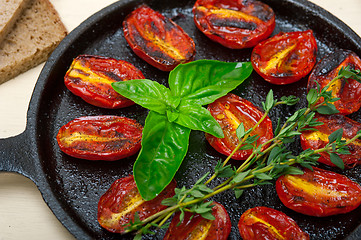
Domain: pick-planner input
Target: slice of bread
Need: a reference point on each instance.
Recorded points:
(10, 10)
(34, 36)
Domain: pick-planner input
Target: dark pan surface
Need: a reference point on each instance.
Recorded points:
(72, 187)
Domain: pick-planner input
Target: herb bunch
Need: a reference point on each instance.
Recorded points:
(261, 167)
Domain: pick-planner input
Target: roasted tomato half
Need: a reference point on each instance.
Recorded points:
(286, 57)
(157, 39)
(118, 206)
(230, 111)
(90, 77)
(100, 137)
(319, 193)
(349, 91)
(234, 23)
(194, 227)
(268, 223)
(319, 138)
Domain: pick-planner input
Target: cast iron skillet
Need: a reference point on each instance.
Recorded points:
(72, 187)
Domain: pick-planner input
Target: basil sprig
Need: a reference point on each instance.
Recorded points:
(174, 112)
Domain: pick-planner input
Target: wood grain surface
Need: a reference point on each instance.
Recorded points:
(23, 213)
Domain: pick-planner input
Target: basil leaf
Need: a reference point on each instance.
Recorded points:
(197, 117)
(204, 81)
(147, 93)
(164, 145)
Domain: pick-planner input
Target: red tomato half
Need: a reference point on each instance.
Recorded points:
(100, 137)
(90, 77)
(117, 207)
(319, 193)
(157, 39)
(267, 223)
(194, 227)
(349, 91)
(319, 138)
(230, 111)
(286, 57)
(234, 23)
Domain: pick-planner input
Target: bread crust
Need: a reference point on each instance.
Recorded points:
(10, 10)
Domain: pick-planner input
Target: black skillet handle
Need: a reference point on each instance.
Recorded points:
(17, 156)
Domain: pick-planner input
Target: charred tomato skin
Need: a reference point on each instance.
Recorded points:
(90, 77)
(106, 138)
(268, 223)
(157, 39)
(349, 91)
(286, 57)
(234, 24)
(319, 138)
(319, 193)
(231, 110)
(197, 227)
(118, 205)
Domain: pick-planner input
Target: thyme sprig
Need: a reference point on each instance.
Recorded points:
(265, 164)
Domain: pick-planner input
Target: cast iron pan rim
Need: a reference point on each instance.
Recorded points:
(34, 107)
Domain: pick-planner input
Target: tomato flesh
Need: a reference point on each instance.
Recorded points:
(90, 77)
(194, 227)
(319, 138)
(100, 137)
(286, 57)
(118, 206)
(349, 91)
(157, 39)
(267, 223)
(234, 24)
(231, 110)
(319, 193)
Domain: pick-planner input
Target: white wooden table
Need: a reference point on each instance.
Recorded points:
(23, 213)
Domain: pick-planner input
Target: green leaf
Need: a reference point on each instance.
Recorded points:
(204, 188)
(240, 132)
(196, 117)
(172, 116)
(269, 103)
(238, 192)
(197, 194)
(208, 215)
(262, 176)
(335, 159)
(147, 93)
(164, 145)
(312, 96)
(290, 100)
(240, 176)
(278, 127)
(138, 236)
(306, 165)
(335, 136)
(204, 81)
(223, 171)
(327, 109)
(246, 147)
(274, 154)
(169, 202)
(293, 171)
(181, 216)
